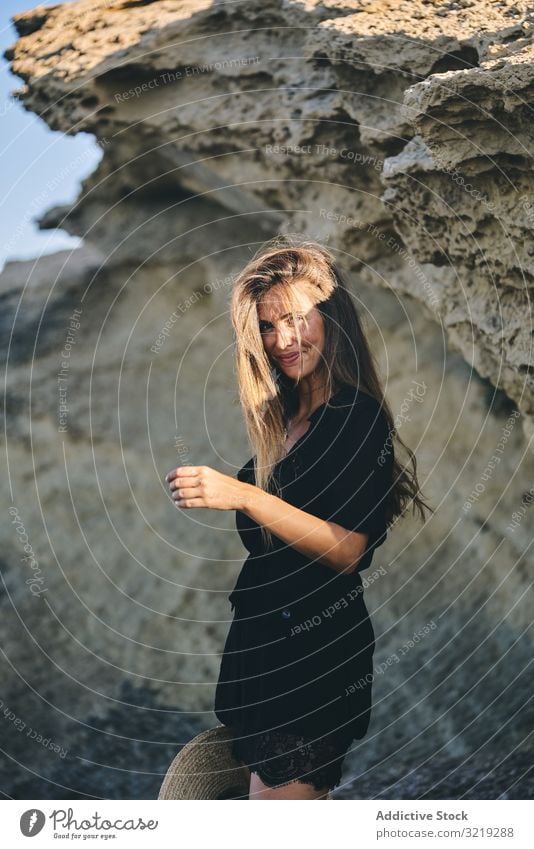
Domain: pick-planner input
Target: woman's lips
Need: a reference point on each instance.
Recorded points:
(289, 359)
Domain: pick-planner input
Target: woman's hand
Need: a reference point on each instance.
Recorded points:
(202, 486)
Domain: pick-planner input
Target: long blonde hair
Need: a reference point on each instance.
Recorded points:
(268, 398)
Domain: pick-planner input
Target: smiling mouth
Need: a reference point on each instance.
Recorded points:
(289, 358)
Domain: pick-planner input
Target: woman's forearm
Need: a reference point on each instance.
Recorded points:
(316, 538)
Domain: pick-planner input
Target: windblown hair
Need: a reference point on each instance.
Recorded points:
(267, 396)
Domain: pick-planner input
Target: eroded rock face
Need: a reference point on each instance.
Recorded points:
(220, 125)
(354, 93)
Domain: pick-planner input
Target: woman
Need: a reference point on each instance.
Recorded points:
(312, 505)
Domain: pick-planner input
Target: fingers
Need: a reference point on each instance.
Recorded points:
(184, 492)
(185, 486)
(189, 489)
(182, 482)
(182, 472)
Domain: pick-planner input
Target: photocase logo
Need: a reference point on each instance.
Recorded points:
(31, 822)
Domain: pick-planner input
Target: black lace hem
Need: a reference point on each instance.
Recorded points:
(280, 757)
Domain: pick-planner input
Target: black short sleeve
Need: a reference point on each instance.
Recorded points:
(357, 467)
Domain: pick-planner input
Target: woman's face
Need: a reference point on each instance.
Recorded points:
(279, 336)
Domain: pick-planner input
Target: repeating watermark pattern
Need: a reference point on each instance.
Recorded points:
(182, 449)
(39, 201)
(181, 309)
(495, 460)
(341, 218)
(184, 455)
(355, 156)
(62, 378)
(457, 177)
(184, 306)
(393, 658)
(20, 726)
(401, 417)
(342, 602)
(432, 300)
(36, 582)
(167, 77)
(518, 515)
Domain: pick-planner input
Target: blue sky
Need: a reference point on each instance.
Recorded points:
(39, 168)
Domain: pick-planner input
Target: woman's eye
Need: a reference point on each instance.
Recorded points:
(265, 327)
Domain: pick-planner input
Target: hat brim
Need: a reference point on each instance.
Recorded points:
(205, 769)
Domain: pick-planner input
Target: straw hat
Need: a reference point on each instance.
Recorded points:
(205, 769)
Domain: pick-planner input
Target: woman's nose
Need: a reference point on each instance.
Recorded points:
(285, 338)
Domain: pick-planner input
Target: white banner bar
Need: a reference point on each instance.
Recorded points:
(220, 824)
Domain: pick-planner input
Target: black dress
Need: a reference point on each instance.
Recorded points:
(296, 672)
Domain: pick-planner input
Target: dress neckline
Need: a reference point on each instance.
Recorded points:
(347, 391)
(313, 416)
(341, 393)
